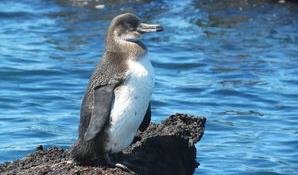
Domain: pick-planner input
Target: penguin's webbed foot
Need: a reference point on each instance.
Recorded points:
(111, 163)
(121, 166)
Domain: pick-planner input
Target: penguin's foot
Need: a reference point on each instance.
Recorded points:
(123, 167)
(114, 164)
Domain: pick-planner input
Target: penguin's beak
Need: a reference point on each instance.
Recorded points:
(145, 28)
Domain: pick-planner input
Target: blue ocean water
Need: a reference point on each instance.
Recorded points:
(235, 62)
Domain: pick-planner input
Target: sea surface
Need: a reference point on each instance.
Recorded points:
(233, 61)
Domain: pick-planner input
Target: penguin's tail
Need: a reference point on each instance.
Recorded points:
(83, 153)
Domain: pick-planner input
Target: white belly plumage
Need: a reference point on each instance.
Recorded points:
(130, 104)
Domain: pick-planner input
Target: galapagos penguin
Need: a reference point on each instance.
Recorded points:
(117, 101)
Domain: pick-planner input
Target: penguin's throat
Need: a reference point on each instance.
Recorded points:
(130, 48)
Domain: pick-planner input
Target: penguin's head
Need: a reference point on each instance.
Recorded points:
(127, 29)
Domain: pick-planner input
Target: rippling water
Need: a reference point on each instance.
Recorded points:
(233, 61)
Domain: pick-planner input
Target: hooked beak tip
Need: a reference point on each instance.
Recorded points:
(159, 29)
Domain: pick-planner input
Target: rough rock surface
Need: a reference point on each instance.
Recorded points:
(166, 148)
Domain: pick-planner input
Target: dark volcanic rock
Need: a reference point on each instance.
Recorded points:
(166, 148)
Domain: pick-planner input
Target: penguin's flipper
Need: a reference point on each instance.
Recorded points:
(147, 118)
(103, 98)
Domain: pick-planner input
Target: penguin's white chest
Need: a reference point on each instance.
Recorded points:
(130, 104)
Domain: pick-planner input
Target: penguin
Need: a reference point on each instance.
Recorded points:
(116, 103)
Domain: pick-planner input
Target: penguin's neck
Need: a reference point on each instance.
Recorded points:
(131, 49)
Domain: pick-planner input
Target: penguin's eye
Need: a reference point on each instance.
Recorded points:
(129, 26)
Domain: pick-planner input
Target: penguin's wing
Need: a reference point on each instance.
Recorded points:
(103, 98)
(146, 121)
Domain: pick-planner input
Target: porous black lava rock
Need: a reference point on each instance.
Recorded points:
(163, 149)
